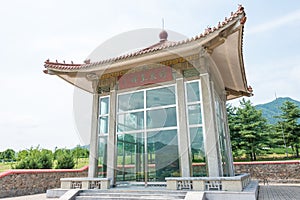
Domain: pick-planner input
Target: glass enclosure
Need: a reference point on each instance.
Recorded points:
(221, 134)
(103, 131)
(147, 142)
(193, 101)
(147, 133)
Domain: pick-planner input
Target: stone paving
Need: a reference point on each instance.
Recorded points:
(279, 192)
(266, 192)
(31, 197)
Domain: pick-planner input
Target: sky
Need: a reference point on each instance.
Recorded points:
(39, 110)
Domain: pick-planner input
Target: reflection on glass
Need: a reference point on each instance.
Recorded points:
(104, 105)
(161, 118)
(194, 113)
(103, 126)
(130, 157)
(193, 92)
(197, 150)
(161, 97)
(131, 101)
(102, 160)
(163, 158)
(130, 121)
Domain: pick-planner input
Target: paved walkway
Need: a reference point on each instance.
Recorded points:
(266, 192)
(279, 192)
(31, 197)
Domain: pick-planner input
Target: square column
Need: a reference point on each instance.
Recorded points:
(183, 139)
(111, 141)
(211, 142)
(228, 150)
(93, 156)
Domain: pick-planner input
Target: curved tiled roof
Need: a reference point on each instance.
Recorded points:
(156, 47)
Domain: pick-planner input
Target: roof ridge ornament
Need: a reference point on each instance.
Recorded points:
(163, 35)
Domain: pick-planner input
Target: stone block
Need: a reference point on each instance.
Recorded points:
(172, 184)
(65, 184)
(198, 185)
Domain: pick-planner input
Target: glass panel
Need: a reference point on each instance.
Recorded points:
(161, 97)
(104, 105)
(161, 118)
(217, 106)
(130, 159)
(130, 121)
(197, 150)
(103, 126)
(193, 92)
(102, 160)
(194, 113)
(163, 158)
(131, 101)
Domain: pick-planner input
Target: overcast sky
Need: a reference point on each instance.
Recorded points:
(37, 109)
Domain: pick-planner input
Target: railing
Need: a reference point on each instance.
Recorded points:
(85, 183)
(235, 183)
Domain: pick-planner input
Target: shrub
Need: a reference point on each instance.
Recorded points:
(34, 159)
(65, 160)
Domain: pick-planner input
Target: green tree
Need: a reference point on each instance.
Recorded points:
(65, 159)
(236, 139)
(288, 128)
(34, 158)
(80, 152)
(22, 154)
(248, 129)
(45, 159)
(8, 155)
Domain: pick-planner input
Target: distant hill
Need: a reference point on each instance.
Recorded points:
(271, 109)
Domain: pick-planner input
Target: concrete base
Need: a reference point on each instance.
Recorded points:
(195, 196)
(56, 193)
(249, 193)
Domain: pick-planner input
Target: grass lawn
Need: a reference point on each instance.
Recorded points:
(4, 166)
(81, 163)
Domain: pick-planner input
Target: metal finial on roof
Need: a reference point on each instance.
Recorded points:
(163, 35)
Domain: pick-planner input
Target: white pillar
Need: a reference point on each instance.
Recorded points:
(183, 139)
(93, 157)
(211, 143)
(111, 142)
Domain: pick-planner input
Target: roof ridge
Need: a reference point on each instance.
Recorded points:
(158, 46)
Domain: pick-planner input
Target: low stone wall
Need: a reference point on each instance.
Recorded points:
(25, 182)
(271, 171)
(265, 171)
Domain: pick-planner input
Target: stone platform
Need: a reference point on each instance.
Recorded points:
(266, 192)
(136, 192)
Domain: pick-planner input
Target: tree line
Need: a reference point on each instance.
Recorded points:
(252, 136)
(250, 133)
(37, 158)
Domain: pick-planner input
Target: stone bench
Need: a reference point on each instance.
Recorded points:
(85, 183)
(235, 183)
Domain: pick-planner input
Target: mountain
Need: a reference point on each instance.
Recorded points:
(271, 109)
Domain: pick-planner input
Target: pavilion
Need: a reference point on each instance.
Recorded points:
(161, 111)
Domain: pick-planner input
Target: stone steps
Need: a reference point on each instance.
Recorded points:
(131, 195)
